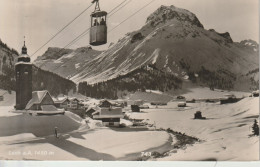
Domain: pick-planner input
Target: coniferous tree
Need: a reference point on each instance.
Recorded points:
(255, 128)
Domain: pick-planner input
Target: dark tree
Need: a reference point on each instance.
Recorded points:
(255, 128)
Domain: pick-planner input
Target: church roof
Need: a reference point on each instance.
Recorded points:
(24, 57)
(37, 97)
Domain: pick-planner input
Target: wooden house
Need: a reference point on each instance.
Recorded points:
(106, 104)
(109, 116)
(62, 102)
(73, 103)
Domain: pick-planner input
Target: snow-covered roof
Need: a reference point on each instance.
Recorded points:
(61, 99)
(23, 63)
(37, 97)
(73, 98)
(105, 100)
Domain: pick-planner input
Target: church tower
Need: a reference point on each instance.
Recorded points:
(23, 72)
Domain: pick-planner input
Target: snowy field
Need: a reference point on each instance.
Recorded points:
(25, 137)
(225, 132)
(224, 135)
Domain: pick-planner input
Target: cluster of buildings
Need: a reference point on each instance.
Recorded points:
(109, 112)
(26, 99)
(42, 102)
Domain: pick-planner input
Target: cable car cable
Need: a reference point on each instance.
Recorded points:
(82, 34)
(118, 9)
(117, 6)
(62, 29)
(86, 31)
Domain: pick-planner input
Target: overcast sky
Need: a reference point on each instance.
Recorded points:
(39, 20)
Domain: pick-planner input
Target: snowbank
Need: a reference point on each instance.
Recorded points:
(37, 125)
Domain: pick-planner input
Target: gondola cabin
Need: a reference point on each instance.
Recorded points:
(98, 29)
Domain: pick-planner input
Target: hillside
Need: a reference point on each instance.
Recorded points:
(141, 79)
(175, 41)
(66, 62)
(42, 80)
(7, 60)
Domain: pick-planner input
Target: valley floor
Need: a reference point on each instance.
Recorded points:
(224, 135)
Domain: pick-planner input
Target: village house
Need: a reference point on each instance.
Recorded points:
(135, 108)
(41, 100)
(74, 103)
(135, 102)
(91, 110)
(106, 104)
(120, 103)
(109, 116)
(62, 102)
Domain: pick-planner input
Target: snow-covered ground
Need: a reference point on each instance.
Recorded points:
(225, 134)
(25, 137)
(225, 131)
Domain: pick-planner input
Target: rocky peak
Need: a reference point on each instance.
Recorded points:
(54, 53)
(167, 13)
(250, 44)
(225, 35)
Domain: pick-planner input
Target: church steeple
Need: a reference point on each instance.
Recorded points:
(24, 56)
(24, 49)
(23, 71)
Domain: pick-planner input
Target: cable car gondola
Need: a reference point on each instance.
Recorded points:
(98, 29)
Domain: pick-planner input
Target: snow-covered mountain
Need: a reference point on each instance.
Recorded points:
(172, 39)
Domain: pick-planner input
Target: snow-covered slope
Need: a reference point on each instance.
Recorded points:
(66, 62)
(226, 133)
(175, 41)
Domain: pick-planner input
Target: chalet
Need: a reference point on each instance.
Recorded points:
(62, 102)
(106, 104)
(109, 116)
(120, 103)
(41, 100)
(73, 103)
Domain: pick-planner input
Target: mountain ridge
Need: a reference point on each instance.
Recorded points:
(173, 40)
